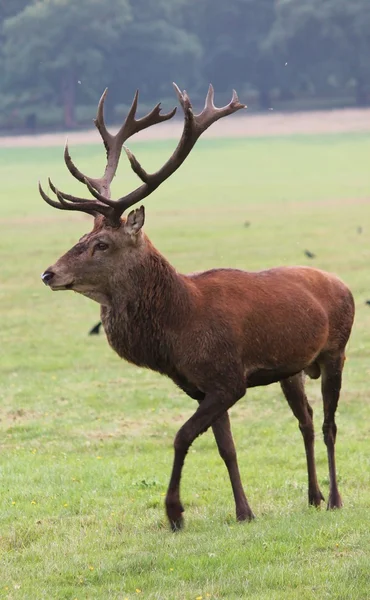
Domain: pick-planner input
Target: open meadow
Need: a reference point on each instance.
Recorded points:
(86, 439)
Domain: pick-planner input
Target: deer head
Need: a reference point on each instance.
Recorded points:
(116, 243)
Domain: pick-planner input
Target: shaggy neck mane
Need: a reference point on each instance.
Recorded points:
(156, 286)
(152, 303)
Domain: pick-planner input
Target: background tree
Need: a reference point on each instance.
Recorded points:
(9, 9)
(53, 47)
(325, 41)
(155, 50)
(233, 37)
(56, 56)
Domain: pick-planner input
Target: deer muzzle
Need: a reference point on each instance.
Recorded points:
(56, 281)
(47, 277)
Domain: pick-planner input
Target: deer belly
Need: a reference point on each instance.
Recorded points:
(266, 376)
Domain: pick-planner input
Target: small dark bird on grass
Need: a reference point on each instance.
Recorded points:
(95, 330)
(309, 254)
(367, 302)
(359, 229)
(247, 223)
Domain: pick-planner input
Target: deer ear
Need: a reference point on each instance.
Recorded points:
(135, 221)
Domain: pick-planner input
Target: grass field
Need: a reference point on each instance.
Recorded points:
(86, 439)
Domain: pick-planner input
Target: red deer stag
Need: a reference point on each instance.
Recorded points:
(216, 333)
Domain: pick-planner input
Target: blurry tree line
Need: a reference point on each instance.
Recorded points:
(57, 56)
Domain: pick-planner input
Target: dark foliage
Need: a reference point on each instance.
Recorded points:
(57, 55)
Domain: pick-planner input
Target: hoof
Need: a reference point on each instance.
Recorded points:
(245, 515)
(335, 501)
(174, 512)
(177, 524)
(315, 499)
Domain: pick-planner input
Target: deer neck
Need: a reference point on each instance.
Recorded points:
(148, 306)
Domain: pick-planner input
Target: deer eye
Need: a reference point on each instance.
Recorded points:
(101, 246)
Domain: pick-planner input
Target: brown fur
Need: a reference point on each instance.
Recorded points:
(215, 334)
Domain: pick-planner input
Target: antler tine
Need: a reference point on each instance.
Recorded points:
(68, 202)
(124, 131)
(154, 116)
(132, 125)
(209, 98)
(70, 164)
(235, 98)
(194, 126)
(77, 199)
(98, 196)
(179, 93)
(73, 169)
(61, 206)
(113, 144)
(100, 123)
(210, 113)
(183, 98)
(136, 166)
(47, 199)
(69, 197)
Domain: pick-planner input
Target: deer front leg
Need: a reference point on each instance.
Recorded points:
(211, 408)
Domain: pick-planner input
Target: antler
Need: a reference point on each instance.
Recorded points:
(194, 126)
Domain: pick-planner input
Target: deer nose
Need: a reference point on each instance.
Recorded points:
(47, 276)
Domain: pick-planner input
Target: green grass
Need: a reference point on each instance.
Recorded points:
(86, 439)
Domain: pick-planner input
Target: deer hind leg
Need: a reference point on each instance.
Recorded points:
(210, 409)
(225, 443)
(293, 389)
(331, 369)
